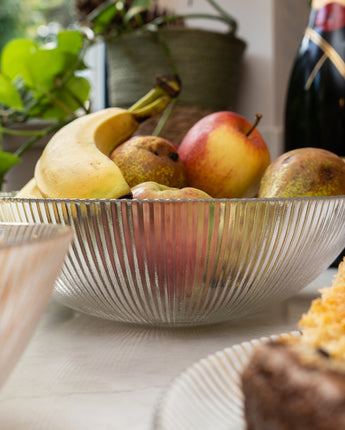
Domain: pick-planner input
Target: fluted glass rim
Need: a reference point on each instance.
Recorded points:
(227, 363)
(41, 233)
(11, 195)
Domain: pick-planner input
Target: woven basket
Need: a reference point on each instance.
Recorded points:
(207, 62)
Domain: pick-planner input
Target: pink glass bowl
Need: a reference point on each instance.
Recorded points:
(31, 257)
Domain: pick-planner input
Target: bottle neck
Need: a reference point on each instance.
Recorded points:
(327, 15)
(319, 4)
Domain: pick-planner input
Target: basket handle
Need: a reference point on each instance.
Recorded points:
(157, 22)
(223, 16)
(153, 25)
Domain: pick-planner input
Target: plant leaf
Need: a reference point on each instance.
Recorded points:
(143, 4)
(14, 57)
(70, 41)
(66, 101)
(44, 67)
(7, 160)
(9, 95)
(137, 7)
(103, 19)
(72, 96)
(79, 87)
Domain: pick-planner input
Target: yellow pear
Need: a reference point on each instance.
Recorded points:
(304, 172)
(150, 158)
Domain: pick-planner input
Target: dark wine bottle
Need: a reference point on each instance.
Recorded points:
(315, 107)
(315, 104)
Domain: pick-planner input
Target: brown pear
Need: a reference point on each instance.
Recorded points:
(304, 172)
(150, 158)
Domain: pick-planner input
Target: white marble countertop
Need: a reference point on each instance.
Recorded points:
(80, 372)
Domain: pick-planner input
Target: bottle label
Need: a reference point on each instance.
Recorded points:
(328, 17)
(315, 105)
(328, 53)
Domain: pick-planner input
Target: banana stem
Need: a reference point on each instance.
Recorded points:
(148, 98)
(157, 99)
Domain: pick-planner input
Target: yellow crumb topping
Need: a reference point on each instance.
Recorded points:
(324, 323)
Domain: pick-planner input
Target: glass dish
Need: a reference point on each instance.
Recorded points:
(208, 394)
(187, 262)
(31, 257)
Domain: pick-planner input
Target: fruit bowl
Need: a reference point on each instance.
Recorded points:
(187, 262)
(31, 257)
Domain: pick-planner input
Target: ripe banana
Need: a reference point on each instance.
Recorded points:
(30, 190)
(76, 163)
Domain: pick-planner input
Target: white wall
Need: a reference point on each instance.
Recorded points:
(273, 30)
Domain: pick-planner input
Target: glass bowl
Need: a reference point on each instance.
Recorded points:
(187, 262)
(31, 257)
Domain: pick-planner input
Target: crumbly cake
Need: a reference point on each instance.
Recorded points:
(299, 384)
(324, 324)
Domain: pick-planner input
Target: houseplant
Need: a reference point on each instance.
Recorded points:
(142, 40)
(40, 91)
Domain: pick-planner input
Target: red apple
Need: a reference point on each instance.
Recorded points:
(153, 190)
(224, 155)
(171, 243)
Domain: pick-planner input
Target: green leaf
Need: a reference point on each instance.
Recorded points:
(72, 96)
(43, 82)
(14, 57)
(44, 67)
(137, 7)
(147, 4)
(79, 87)
(104, 18)
(7, 160)
(9, 95)
(71, 64)
(70, 41)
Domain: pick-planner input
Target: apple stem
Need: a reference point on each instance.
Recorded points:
(257, 120)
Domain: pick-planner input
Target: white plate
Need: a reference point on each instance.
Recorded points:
(208, 394)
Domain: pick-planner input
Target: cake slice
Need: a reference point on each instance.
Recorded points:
(299, 383)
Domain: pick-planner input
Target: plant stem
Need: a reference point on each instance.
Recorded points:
(23, 148)
(224, 14)
(13, 132)
(164, 118)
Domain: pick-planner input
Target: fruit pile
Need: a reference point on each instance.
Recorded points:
(222, 156)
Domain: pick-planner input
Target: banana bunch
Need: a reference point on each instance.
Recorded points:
(76, 163)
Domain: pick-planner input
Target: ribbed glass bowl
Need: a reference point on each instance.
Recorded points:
(31, 257)
(187, 262)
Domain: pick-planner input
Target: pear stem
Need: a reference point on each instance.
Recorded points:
(257, 120)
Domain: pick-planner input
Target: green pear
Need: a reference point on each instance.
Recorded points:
(304, 172)
(150, 158)
(153, 190)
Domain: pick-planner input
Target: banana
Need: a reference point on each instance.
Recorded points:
(76, 163)
(30, 190)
